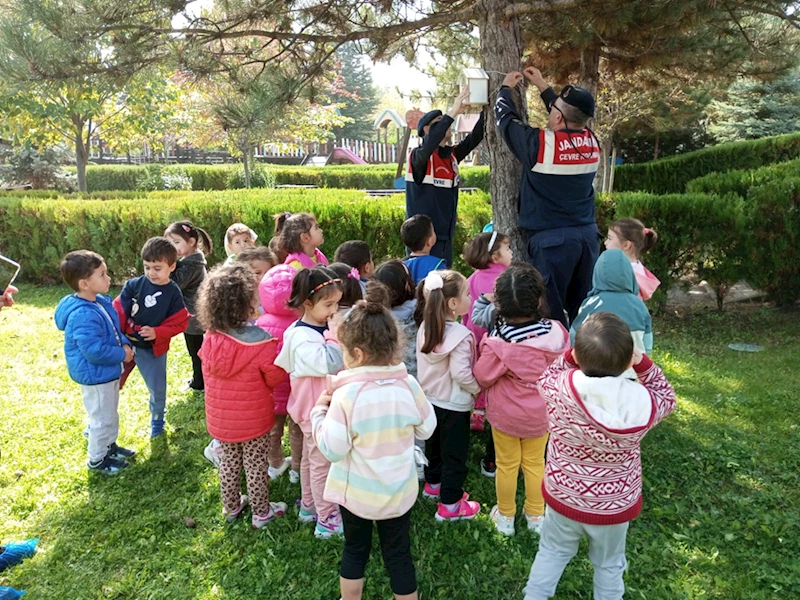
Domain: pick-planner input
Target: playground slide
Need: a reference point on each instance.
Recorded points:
(346, 155)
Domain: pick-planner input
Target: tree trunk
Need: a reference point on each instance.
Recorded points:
(81, 151)
(501, 49)
(656, 149)
(246, 162)
(613, 168)
(589, 77)
(402, 156)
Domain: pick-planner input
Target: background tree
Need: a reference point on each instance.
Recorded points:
(39, 50)
(752, 108)
(353, 91)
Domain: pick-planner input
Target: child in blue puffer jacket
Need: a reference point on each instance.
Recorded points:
(95, 349)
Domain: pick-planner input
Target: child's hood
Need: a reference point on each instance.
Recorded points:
(275, 290)
(366, 374)
(228, 352)
(405, 311)
(613, 273)
(293, 337)
(454, 334)
(72, 303)
(618, 404)
(528, 359)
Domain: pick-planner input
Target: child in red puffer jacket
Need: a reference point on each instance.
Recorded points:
(240, 377)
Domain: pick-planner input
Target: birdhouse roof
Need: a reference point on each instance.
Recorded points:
(389, 116)
(475, 73)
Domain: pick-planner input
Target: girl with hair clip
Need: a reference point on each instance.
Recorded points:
(365, 425)
(300, 236)
(193, 245)
(634, 239)
(489, 254)
(445, 354)
(309, 355)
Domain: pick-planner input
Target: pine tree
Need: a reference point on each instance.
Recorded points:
(353, 89)
(754, 109)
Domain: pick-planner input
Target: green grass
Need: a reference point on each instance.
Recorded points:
(721, 490)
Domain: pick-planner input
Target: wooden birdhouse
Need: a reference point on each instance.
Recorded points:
(478, 82)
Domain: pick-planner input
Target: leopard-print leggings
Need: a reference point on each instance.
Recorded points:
(253, 456)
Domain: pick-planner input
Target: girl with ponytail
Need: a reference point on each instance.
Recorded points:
(445, 354)
(365, 425)
(193, 245)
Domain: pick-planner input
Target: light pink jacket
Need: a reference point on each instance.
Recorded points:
(509, 374)
(275, 290)
(445, 374)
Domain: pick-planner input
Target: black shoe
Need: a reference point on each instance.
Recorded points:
(488, 469)
(108, 466)
(120, 453)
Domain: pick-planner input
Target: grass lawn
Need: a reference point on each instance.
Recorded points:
(721, 487)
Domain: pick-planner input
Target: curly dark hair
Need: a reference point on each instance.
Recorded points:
(520, 293)
(226, 298)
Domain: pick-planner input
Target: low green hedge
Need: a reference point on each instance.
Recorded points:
(218, 177)
(740, 181)
(670, 175)
(117, 228)
(719, 238)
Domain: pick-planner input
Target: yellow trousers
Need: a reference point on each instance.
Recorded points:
(513, 453)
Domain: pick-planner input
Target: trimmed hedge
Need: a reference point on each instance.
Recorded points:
(697, 234)
(719, 238)
(219, 177)
(117, 229)
(670, 175)
(740, 181)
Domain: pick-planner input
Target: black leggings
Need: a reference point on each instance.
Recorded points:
(395, 538)
(193, 345)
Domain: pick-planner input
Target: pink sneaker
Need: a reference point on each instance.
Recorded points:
(230, 517)
(276, 509)
(431, 491)
(465, 509)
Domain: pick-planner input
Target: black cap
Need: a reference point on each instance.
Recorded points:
(426, 120)
(578, 97)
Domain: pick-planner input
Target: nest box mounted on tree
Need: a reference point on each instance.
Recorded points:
(478, 82)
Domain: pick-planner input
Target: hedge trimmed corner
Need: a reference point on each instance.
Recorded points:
(670, 175)
(740, 181)
(772, 214)
(697, 233)
(220, 177)
(116, 229)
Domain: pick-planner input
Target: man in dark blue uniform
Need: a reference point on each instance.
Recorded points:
(432, 173)
(556, 193)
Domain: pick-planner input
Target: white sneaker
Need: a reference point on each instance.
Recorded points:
(274, 473)
(211, 453)
(535, 523)
(294, 476)
(503, 524)
(421, 462)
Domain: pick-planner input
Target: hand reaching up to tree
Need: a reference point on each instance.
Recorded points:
(461, 103)
(534, 76)
(512, 79)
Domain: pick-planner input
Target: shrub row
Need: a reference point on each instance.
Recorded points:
(740, 181)
(719, 238)
(723, 239)
(670, 175)
(117, 228)
(221, 177)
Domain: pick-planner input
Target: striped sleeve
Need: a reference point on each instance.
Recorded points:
(330, 429)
